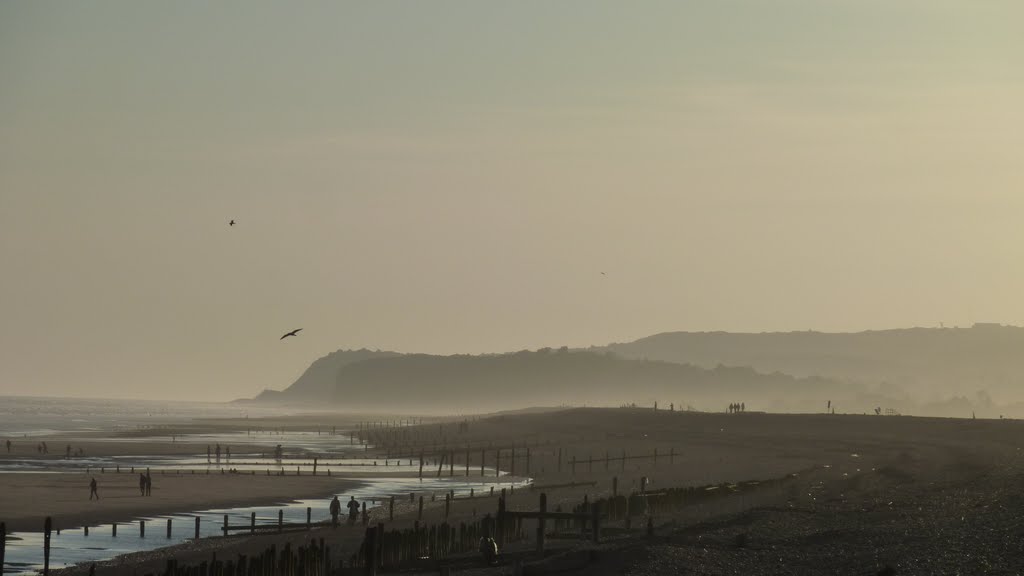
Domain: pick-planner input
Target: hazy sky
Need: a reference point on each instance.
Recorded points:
(455, 176)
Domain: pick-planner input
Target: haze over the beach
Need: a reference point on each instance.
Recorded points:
(454, 177)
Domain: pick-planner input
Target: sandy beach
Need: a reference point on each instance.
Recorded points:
(853, 472)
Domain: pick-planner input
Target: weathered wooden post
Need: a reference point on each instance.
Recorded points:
(252, 523)
(168, 528)
(142, 528)
(540, 522)
(421, 465)
(497, 463)
(483, 457)
(309, 517)
(47, 528)
(391, 508)
(113, 530)
(197, 528)
(314, 466)
(451, 463)
(500, 529)
(280, 521)
(370, 553)
(85, 530)
(467, 461)
(225, 528)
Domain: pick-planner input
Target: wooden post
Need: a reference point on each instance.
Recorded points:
(280, 521)
(421, 465)
(371, 551)
(440, 465)
(467, 461)
(540, 522)
(391, 509)
(113, 530)
(309, 517)
(85, 530)
(451, 463)
(483, 456)
(252, 523)
(225, 529)
(197, 528)
(314, 466)
(47, 528)
(168, 528)
(142, 528)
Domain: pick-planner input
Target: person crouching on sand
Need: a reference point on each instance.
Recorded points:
(92, 490)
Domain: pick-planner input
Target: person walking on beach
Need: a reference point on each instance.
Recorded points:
(92, 490)
(142, 484)
(335, 511)
(228, 450)
(217, 452)
(353, 510)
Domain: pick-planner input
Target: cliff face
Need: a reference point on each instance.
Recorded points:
(923, 362)
(317, 383)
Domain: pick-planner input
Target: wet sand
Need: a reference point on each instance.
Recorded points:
(26, 499)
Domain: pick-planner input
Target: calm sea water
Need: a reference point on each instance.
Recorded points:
(33, 416)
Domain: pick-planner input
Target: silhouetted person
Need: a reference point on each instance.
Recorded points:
(8, 446)
(92, 490)
(353, 510)
(743, 407)
(227, 449)
(142, 484)
(217, 452)
(489, 551)
(335, 511)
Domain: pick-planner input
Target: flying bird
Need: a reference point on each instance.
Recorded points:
(232, 223)
(292, 333)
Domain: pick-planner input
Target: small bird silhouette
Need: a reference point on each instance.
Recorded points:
(232, 223)
(603, 274)
(292, 333)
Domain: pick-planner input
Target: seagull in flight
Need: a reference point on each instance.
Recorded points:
(232, 223)
(292, 333)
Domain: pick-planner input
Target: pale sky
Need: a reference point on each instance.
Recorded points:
(454, 177)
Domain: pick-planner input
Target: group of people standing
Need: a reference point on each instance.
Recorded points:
(353, 510)
(145, 484)
(737, 407)
(227, 452)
